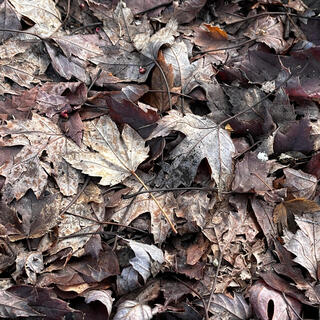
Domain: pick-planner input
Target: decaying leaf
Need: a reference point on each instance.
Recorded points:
(44, 14)
(147, 260)
(42, 155)
(116, 156)
(204, 140)
(304, 244)
(285, 212)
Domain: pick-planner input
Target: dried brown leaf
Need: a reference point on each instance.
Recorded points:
(116, 156)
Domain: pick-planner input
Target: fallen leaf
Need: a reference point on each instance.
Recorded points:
(268, 30)
(223, 306)
(299, 183)
(188, 10)
(251, 175)
(148, 259)
(262, 297)
(13, 306)
(44, 14)
(41, 156)
(115, 158)
(161, 80)
(104, 296)
(133, 310)
(304, 243)
(204, 140)
(285, 212)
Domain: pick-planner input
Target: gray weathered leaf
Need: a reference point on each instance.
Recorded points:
(133, 310)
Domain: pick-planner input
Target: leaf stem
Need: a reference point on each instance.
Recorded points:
(156, 201)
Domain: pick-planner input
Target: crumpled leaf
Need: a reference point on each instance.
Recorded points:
(43, 13)
(9, 20)
(304, 244)
(104, 296)
(41, 156)
(130, 209)
(268, 30)
(116, 156)
(133, 310)
(12, 306)
(225, 307)
(204, 139)
(147, 260)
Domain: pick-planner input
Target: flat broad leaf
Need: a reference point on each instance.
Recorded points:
(41, 156)
(115, 156)
(204, 139)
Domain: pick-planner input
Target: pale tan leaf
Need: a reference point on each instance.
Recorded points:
(104, 296)
(133, 310)
(116, 156)
(130, 209)
(80, 221)
(43, 13)
(304, 244)
(204, 140)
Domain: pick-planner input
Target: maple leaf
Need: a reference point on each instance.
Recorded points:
(115, 156)
(204, 140)
(41, 156)
(130, 209)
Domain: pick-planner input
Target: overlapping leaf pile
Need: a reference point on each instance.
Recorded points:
(159, 159)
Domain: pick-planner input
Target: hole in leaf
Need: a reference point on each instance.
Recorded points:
(270, 309)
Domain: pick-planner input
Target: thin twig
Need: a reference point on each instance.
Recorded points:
(226, 48)
(264, 98)
(197, 294)
(64, 21)
(157, 202)
(76, 197)
(290, 306)
(270, 14)
(21, 31)
(86, 26)
(128, 196)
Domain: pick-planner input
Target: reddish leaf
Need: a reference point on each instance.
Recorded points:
(263, 297)
(296, 138)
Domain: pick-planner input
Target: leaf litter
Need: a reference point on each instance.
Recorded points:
(159, 159)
